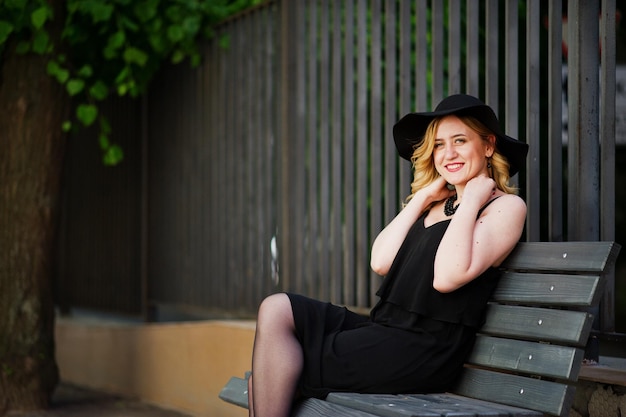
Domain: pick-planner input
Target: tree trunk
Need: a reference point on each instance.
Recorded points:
(32, 108)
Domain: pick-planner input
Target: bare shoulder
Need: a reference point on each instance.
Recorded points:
(512, 203)
(508, 209)
(507, 215)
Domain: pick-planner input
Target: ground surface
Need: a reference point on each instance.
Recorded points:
(71, 401)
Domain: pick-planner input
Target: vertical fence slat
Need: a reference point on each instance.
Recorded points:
(405, 84)
(454, 46)
(422, 48)
(362, 244)
(511, 76)
(337, 157)
(291, 108)
(555, 123)
(472, 48)
(492, 64)
(349, 149)
(324, 244)
(392, 198)
(607, 152)
(311, 156)
(256, 239)
(583, 135)
(297, 235)
(376, 137)
(533, 107)
(437, 50)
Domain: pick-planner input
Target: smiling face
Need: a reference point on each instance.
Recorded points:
(459, 153)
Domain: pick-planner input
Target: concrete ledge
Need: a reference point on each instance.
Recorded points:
(610, 371)
(180, 366)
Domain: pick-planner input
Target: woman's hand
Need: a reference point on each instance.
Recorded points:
(437, 191)
(390, 239)
(479, 190)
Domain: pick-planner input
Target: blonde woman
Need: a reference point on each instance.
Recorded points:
(440, 258)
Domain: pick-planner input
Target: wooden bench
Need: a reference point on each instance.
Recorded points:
(527, 355)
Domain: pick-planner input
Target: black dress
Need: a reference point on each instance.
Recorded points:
(416, 338)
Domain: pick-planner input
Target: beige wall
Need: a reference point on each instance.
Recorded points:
(181, 366)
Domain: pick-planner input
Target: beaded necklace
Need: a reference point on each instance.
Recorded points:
(449, 208)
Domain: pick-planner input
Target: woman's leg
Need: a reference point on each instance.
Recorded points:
(276, 360)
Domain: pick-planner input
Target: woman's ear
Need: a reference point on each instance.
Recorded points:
(491, 146)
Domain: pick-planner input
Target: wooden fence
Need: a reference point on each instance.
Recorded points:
(272, 167)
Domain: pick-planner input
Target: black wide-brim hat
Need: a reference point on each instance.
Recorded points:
(409, 131)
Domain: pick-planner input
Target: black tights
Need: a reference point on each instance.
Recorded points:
(276, 360)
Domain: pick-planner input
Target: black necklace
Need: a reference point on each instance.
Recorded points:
(449, 208)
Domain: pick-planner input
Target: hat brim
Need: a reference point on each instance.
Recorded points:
(409, 131)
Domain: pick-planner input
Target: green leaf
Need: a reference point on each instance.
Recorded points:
(114, 43)
(177, 56)
(99, 90)
(158, 43)
(109, 53)
(191, 25)
(129, 24)
(134, 55)
(41, 41)
(58, 72)
(75, 86)
(15, 4)
(113, 155)
(116, 40)
(100, 11)
(87, 113)
(104, 142)
(85, 71)
(5, 30)
(175, 33)
(123, 75)
(39, 16)
(66, 126)
(174, 13)
(122, 89)
(146, 10)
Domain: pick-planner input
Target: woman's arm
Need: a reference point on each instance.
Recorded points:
(389, 240)
(470, 246)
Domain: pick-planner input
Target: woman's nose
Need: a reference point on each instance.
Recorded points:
(450, 152)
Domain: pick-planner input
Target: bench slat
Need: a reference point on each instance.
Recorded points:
(544, 396)
(579, 257)
(540, 324)
(235, 392)
(312, 407)
(547, 289)
(532, 358)
(426, 405)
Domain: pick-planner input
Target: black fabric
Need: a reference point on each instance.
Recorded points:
(409, 284)
(415, 340)
(347, 352)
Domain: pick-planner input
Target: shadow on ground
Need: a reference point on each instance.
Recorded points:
(72, 401)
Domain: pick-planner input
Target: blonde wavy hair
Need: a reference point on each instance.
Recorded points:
(424, 171)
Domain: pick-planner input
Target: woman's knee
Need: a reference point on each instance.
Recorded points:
(276, 309)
